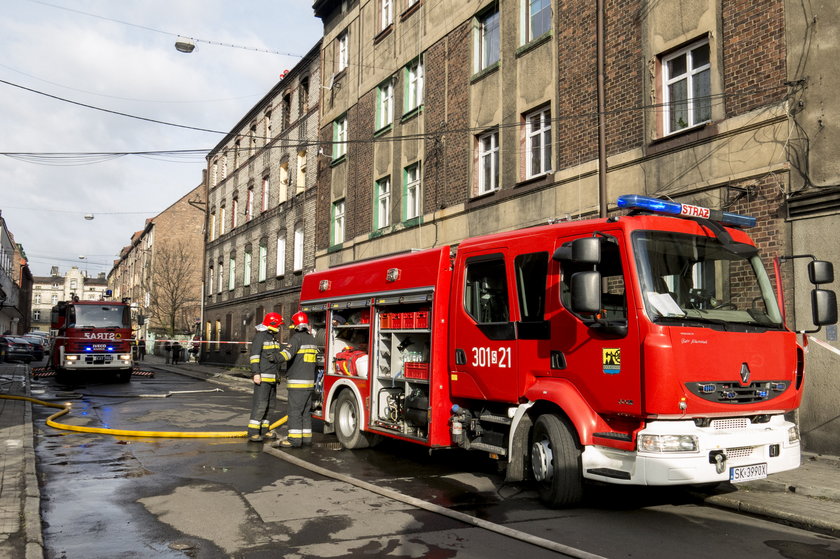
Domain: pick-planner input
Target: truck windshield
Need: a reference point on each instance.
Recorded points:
(691, 278)
(101, 316)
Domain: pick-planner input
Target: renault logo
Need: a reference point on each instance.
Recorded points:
(745, 374)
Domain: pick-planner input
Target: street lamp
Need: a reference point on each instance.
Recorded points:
(184, 45)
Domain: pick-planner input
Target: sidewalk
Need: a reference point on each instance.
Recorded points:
(808, 497)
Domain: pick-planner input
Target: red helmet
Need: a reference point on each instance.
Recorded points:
(300, 320)
(273, 321)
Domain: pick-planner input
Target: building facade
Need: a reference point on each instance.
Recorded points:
(452, 119)
(15, 285)
(47, 291)
(261, 226)
(157, 270)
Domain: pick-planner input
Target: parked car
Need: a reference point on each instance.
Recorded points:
(38, 349)
(16, 349)
(44, 337)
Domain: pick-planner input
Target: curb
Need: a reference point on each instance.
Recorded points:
(32, 495)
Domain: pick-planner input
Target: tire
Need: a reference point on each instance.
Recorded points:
(556, 462)
(348, 419)
(124, 376)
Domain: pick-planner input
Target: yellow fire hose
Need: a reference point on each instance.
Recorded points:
(65, 408)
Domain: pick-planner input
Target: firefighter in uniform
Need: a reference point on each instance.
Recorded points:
(265, 365)
(302, 354)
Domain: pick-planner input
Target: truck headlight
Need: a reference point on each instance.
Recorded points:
(71, 357)
(125, 357)
(668, 443)
(793, 434)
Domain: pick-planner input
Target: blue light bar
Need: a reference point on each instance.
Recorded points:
(634, 201)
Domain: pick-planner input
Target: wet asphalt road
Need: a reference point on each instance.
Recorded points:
(107, 496)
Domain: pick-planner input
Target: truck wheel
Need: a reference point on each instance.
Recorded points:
(124, 376)
(555, 462)
(348, 420)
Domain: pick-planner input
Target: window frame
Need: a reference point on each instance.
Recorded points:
(689, 76)
(412, 210)
(246, 268)
(493, 154)
(339, 148)
(343, 54)
(280, 252)
(385, 104)
(543, 134)
(528, 19)
(386, 14)
(482, 62)
(338, 222)
(382, 203)
(297, 257)
(262, 265)
(414, 85)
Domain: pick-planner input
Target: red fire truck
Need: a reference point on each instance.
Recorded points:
(646, 349)
(91, 336)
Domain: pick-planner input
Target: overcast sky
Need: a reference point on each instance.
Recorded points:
(57, 55)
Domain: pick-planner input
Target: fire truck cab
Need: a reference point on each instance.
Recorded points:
(646, 349)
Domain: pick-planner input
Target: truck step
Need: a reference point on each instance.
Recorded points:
(492, 418)
(489, 448)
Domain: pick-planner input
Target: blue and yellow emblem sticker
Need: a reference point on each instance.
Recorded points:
(611, 360)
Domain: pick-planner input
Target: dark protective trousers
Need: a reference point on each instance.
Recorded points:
(265, 397)
(300, 422)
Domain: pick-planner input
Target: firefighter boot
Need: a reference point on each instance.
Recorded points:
(254, 434)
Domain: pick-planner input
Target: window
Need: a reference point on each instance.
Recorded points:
(232, 272)
(286, 111)
(212, 225)
(224, 165)
(222, 220)
(538, 20)
(54, 299)
(414, 85)
(281, 257)
(385, 104)
(411, 196)
(265, 194)
(339, 137)
(37, 298)
(267, 123)
(487, 40)
(234, 213)
(613, 300)
(298, 256)
(382, 214)
(343, 59)
(249, 204)
(338, 222)
(246, 268)
(386, 13)
(538, 143)
(686, 87)
(210, 277)
(531, 277)
(301, 171)
(214, 173)
(485, 292)
(73, 284)
(303, 95)
(262, 266)
(221, 276)
(488, 162)
(36, 315)
(284, 182)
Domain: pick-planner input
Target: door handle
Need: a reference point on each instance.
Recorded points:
(460, 357)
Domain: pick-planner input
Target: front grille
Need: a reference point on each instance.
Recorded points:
(733, 393)
(738, 453)
(730, 424)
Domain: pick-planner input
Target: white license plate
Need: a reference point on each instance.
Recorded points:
(747, 473)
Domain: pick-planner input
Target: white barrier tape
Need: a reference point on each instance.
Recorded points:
(819, 342)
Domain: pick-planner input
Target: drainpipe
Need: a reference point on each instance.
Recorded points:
(602, 123)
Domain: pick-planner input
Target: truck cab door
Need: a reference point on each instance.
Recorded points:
(482, 334)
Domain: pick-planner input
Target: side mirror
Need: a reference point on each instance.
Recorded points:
(586, 292)
(582, 251)
(820, 271)
(824, 307)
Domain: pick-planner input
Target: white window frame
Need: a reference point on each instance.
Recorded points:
(412, 195)
(487, 53)
(385, 104)
(488, 158)
(339, 148)
(222, 219)
(529, 17)
(691, 79)
(234, 213)
(266, 193)
(538, 143)
(298, 248)
(415, 76)
(338, 222)
(249, 204)
(221, 277)
(213, 225)
(386, 14)
(343, 58)
(210, 278)
(281, 257)
(300, 183)
(383, 203)
(231, 273)
(262, 265)
(246, 268)
(284, 183)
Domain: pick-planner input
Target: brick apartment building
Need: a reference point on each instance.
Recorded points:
(454, 118)
(261, 213)
(158, 270)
